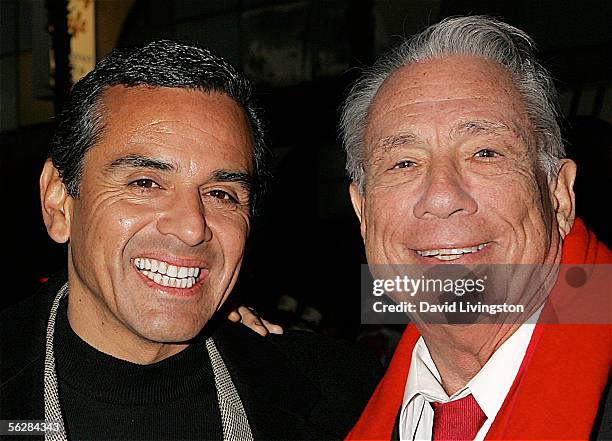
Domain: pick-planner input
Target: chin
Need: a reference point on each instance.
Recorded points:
(170, 335)
(174, 331)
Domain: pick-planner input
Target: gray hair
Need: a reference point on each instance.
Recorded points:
(478, 36)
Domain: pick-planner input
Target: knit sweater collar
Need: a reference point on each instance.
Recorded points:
(108, 379)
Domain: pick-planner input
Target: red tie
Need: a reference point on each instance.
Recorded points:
(457, 420)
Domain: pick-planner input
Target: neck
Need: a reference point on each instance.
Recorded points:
(99, 328)
(459, 352)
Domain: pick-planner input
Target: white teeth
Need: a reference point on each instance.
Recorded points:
(165, 274)
(172, 271)
(450, 253)
(448, 257)
(428, 253)
(170, 281)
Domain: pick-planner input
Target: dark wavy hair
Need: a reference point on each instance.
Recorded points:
(162, 63)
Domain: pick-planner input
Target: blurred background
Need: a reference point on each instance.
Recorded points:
(305, 250)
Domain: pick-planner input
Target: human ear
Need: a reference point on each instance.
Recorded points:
(357, 201)
(56, 203)
(564, 199)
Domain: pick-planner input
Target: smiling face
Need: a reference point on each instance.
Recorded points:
(157, 234)
(449, 174)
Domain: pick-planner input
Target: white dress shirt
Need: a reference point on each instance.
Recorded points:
(489, 386)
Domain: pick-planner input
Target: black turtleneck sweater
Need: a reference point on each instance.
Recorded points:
(104, 398)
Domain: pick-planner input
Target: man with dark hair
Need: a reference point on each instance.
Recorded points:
(160, 64)
(155, 170)
(455, 152)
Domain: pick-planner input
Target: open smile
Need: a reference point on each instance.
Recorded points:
(451, 253)
(167, 275)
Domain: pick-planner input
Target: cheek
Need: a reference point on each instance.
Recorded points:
(516, 206)
(388, 217)
(231, 233)
(512, 196)
(110, 225)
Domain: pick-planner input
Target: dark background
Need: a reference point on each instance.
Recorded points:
(302, 56)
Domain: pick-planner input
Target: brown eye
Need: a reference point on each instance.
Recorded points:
(487, 153)
(223, 195)
(405, 164)
(145, 183)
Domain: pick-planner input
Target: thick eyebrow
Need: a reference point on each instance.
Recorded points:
(139, 161)
(243, 178)
(389, 142)
(463, 128)
(479, 127)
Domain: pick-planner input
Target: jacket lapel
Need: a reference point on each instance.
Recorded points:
(276, 396)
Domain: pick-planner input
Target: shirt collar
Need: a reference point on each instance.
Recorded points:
(492, 383)
(489, 386)
(423, 376)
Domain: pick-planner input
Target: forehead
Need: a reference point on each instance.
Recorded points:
(441, 92)
(173, 119)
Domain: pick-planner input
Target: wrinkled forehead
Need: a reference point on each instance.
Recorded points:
(174, 118)
(445, 91)
(462, 75)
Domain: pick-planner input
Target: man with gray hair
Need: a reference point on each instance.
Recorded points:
(455, 154)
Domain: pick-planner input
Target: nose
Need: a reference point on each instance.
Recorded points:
(444, 195)
(185, 219)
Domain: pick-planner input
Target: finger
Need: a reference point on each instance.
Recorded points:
(272, 328)
(251, 318)
(234, 316)
(257, 326)
(252, 321)
(260, 329)
(247, 315)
